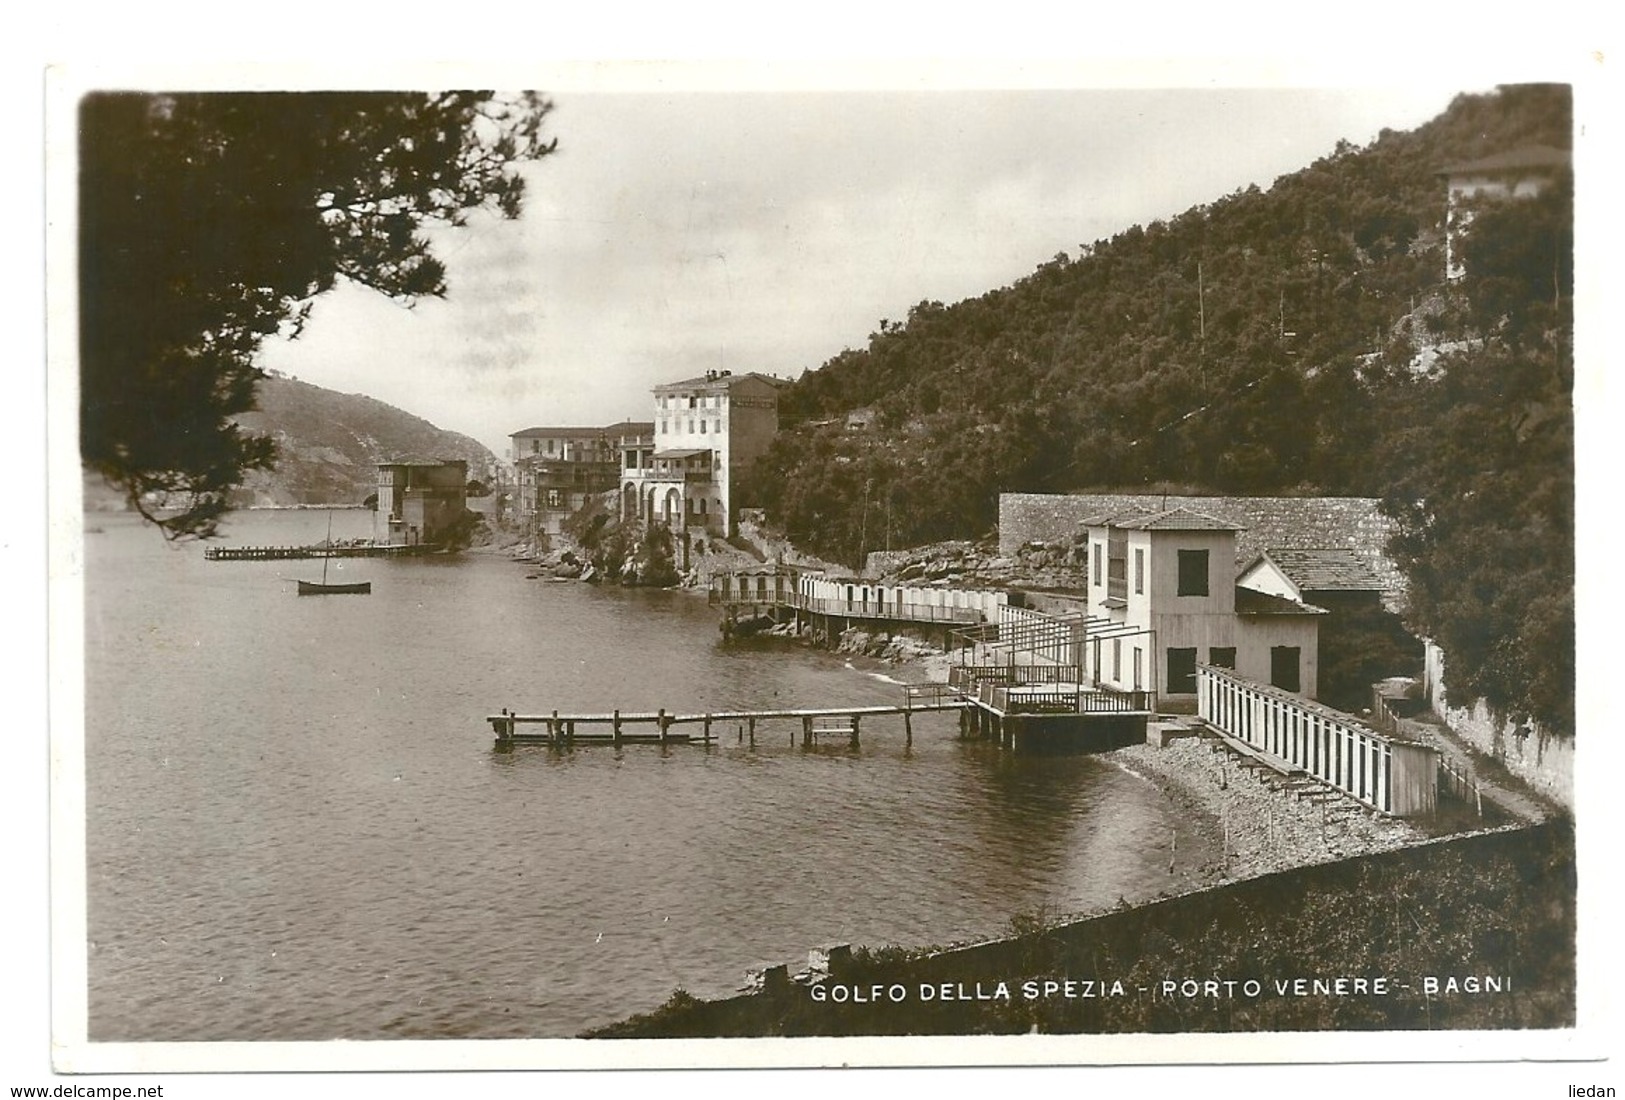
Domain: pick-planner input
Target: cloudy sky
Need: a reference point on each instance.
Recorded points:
(677, 231)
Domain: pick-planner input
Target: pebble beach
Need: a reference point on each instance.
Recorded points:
(1245, 827)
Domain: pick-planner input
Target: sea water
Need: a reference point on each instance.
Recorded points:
(299, 827)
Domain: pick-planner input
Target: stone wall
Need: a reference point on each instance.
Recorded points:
(1544, 761)
(1305, 522)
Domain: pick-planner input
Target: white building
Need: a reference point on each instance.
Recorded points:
(1520, 173)
(707, 431)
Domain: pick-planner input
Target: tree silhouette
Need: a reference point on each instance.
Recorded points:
(209, 221)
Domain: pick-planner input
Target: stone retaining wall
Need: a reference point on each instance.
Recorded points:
(1542, 760)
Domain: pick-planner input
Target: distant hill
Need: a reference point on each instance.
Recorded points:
(329, 444)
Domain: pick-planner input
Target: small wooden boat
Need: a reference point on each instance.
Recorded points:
(317, 588)
(322, 588)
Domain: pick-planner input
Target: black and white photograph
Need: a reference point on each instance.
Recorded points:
(677, 567)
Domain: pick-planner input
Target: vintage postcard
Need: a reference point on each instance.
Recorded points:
(711, 567)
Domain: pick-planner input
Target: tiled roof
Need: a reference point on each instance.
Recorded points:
(1180, 519)
(719, 380)
(1331, 569)
(1249, 602)
(419, 460)
(1114, 516)
(1357, 522)
(1528, 156)
(531, 433)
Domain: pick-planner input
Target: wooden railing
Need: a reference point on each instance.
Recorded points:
(1044, 689)
(858, 609)
(1016, 675)
(927, 695)
(888, 609)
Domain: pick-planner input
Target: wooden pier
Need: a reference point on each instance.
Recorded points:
(300, 553)
(632, 727)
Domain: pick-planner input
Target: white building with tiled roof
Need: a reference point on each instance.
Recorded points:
(1163, 598)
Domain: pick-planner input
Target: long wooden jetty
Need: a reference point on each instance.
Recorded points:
(298, 553)
(629, 727)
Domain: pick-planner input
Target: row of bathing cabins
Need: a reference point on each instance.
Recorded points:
(1170, 624)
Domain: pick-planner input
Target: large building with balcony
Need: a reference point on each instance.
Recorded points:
(706, 432)
(558, 470)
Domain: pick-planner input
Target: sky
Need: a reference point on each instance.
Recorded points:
(680, 230)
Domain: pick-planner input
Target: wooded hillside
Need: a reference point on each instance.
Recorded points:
(1300, 339)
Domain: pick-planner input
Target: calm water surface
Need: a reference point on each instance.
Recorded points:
(299, 828)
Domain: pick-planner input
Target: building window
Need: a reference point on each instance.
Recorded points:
(702, 427)
(1136, 668)
(1098, 554)
(1193, 573)
(716, 426)
(1182, 671)
(662, 425)
(1139, 571)
(1222, 657)
(1117, 660)
(691, 425)
(1284, 665)
(691, 401)
(1117, 567)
